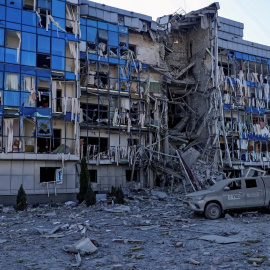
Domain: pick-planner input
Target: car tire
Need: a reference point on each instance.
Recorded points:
(212, 211)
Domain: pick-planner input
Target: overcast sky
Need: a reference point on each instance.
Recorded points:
(254, 14)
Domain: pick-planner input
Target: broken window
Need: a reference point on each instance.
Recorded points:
(129, 174)
(13, 39)
(102, 42)
(43, 61)
(72, 23)
(113, 52)
(28, 95)
(47, 174)
(235, 185)
(43, 100)
(28, 5)
(44, 127)
(92, 48)
(94, 113)
(59, 100)
(43, 17)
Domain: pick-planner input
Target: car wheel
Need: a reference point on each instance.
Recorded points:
(212, 211)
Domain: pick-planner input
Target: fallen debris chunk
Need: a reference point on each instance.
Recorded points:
(146, 228)
(55, 235)
(78, 260)
(179, 244)
(159, 194)
(70, 203)
(2, 241)
(229, 217)
(128, 241)
(219, 239)
(117, 267)
(192, 261)
(137, 248)
(118, 209)
(255, 260)
(83, 246)
(51, 214)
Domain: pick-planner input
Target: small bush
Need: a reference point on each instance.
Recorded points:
(119, 196)
(90, 196)
(113, 191)
(21, 203)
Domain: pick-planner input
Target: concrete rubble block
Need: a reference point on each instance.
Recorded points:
(161, 195)
(118, 209)
(255, 260)
(190, 156)
(83, 246)
(217, 260)
(219, 239)
(229, 217)
(117, 267)
(195, 262)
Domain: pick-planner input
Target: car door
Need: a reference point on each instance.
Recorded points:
(254, 192)
(234, 197)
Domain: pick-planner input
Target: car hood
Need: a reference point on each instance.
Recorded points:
(200, 193)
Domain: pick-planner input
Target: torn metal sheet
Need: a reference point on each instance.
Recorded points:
(219, 239)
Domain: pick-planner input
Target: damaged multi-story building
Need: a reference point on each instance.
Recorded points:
(183, 99)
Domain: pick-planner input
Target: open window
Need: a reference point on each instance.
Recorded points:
(70, 65)
(28, 5)
(12, 81)
(43, 61)
(72, 24)
(251, 183)
(93, 176)
(43, 100)
(47, 174)
(94, 113)
(102, 42)
(56, 142)
(43, 17)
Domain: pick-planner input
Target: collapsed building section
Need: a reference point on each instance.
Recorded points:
(182, 101)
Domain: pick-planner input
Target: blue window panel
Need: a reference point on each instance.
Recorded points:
(3, 13)
(238, 55)
(245, 56)
(91, 34)
(1, 80)
(2, 2)
(102, 25)
(29, 18)
(72, 37)
(46, 112)
(2, 35)
(28, 70)
(30, 29)
(42, 31)
(82, 55)
(13, 26)
(122, 62)
(83, 32)
(28, 42)
(113, 60)
(2, 66)
(44, 4)
(58, 46)
(12, 98)
(12, 68)
(113, 38)
(58, 34)
(11, 56)
(44, 44)
(113, 27)
(92, 23)
(27, 111)
(92, 56)
(70, 76)
(44, 72)
(13, 15)
(62, 23)
(58, 63)
(123, 29)
(14, 4)
(58, 8)
(82, 21)
(28, 59)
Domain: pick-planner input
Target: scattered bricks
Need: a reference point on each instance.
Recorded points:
(254, 241)
(192, 261)
(137, 248)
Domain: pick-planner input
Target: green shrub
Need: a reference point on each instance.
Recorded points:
(119, 196)
(21, 202)
(84, 180)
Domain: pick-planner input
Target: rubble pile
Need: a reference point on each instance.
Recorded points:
(152, 230)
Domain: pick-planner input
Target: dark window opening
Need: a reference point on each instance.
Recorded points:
(47, 174)
(92, 48)
(43, 100)
(133, 49)
(56, 138)
(59, 100)
(43, 17)
(101, 145)
(251, 183)
(28, 5)
(43, 145)
(235, 185)
(93, 176)
(132, 142)
(43, 61)
(103, 80)
(93, 112)
(121, 19)
(113, 52)
(129, 174)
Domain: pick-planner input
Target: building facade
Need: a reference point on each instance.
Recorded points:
(181, 100)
